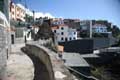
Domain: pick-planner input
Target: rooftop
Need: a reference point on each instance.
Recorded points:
(21, 6)
(74, 59)
(89, 55)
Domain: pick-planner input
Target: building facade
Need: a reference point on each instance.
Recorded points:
(96, 26)
(12, 11)
(57, 21)
(99, 28)
(85, 28)
(20, 12)
(73, 23)
(17, 12)
(64, 33)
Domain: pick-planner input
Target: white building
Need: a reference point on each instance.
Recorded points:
(20, 12)
(64, 33)
(99, 28)
(27, 34)
(12, 11)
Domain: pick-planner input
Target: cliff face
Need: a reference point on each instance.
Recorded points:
(44, 32)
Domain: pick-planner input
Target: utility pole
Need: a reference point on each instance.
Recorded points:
(90, 29)
(33, 16)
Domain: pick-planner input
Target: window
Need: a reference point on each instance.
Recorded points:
(17, 14)
(62, 33)
(18, 9)
(66, 39)
(74, 38)
(74, 32)
(70, 38)
(62, 38)
(54, 31)
(13, 13)
(62, 28)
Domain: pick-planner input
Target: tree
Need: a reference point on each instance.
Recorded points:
(28, 19)
(115, 31)
(44, 32)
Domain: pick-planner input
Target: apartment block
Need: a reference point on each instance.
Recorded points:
(17, 12)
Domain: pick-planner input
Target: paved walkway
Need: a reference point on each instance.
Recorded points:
(20, 67)
(19, 64)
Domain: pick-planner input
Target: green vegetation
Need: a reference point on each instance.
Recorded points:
(100, 73)
(50, 45)
(29, 19)
(100, 35)
(97, 72)
(107, 71)
(18, 23)
(44, 32)
(115, 31)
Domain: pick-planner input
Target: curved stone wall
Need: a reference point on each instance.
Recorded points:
(41, 61)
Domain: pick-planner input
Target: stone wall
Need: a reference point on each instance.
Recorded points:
(3, 60)
(41, 61)
(46, 64)
(3, 51)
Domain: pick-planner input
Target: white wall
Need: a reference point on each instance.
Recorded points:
(67, 34)
(99, 28)
(28, 37)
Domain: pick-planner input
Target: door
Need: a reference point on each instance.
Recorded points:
(12, 37)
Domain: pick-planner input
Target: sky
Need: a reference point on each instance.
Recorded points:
(80, 9)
